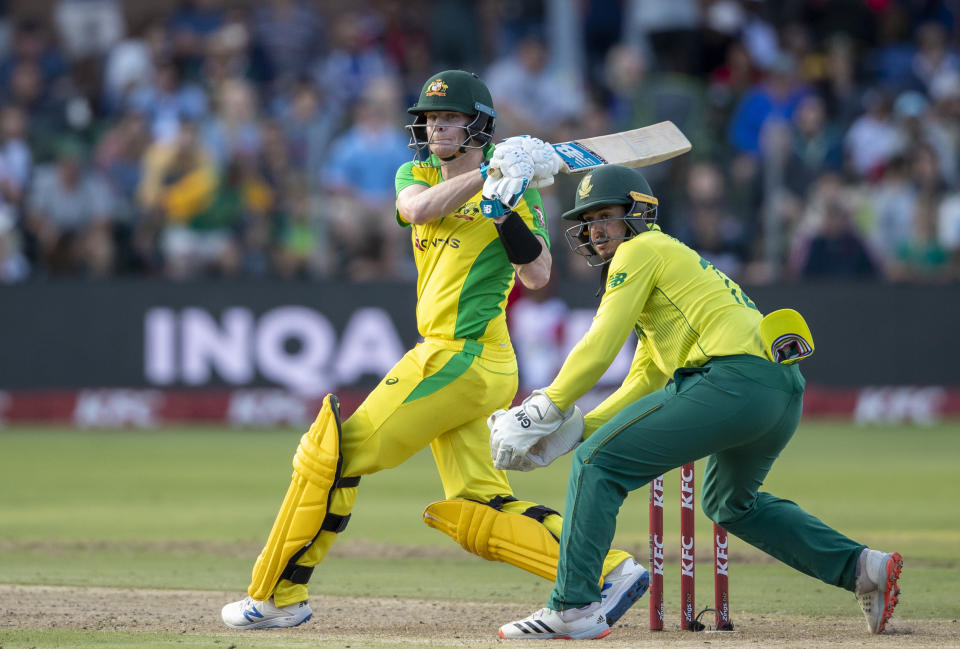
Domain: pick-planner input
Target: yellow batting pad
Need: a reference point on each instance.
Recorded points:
(786, 336)
(315, 469)
(498, 536)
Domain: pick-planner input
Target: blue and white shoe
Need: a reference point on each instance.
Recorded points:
(623, 586)
(583, 623)
(248, 614)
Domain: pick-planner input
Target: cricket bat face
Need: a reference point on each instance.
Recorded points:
(640, 147)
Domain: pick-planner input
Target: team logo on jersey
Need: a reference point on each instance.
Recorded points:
(538, 216)
(392, 380)
(437, 89)
(586, 186)
(468, 211)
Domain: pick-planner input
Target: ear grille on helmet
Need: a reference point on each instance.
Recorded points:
(418, 129)
(486, 121)
(578, 238)
(640, 216)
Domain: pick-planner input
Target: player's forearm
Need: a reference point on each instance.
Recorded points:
(573, 381)
(536, 274)
(586, 363)
(618, 311)
(419, 205)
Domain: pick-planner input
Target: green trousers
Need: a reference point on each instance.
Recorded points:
(739, 412)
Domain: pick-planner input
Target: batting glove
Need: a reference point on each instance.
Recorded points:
(512, 161)
(500, 195)
(546, 162)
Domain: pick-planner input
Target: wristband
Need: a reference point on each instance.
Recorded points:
(491, 208)
(521, 244)
(484, 168)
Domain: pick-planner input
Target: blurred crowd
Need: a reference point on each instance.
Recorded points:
(260, 138)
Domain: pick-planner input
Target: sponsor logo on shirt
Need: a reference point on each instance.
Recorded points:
(423, 245)
(616, 280)
(538, 217)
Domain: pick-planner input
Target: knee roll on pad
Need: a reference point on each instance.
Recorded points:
(481, 528)
(304, 513)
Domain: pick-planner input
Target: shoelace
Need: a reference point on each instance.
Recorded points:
(538, 614)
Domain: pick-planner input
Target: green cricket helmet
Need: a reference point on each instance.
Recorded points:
(458, 91)
(610, 185)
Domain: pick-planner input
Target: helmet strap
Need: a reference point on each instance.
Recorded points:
(463, 145)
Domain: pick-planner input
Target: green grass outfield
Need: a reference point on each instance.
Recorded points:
(188, 508)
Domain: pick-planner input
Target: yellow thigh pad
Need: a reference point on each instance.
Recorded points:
(516, 539)
(786, 336)
(304, 512)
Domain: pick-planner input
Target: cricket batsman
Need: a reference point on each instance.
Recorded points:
(476, 221)
(735, 398)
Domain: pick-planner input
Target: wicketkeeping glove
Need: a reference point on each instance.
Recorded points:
(514, 432)
(560, 442)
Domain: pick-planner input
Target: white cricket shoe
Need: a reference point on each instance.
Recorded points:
(585, 623)
(876, 589)
(623, 586)
(249, 614)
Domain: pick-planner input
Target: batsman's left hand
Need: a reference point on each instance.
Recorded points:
(511, 161)
(546, 162)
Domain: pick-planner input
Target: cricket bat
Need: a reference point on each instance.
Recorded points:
(640, 147)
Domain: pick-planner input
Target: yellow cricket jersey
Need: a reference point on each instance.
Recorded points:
(463, 274)
(683, 310)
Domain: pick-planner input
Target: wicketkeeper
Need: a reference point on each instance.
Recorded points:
(735, 398)
(476, 221)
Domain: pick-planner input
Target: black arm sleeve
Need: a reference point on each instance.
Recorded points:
(521, 244)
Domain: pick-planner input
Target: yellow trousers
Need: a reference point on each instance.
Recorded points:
(439, 394)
